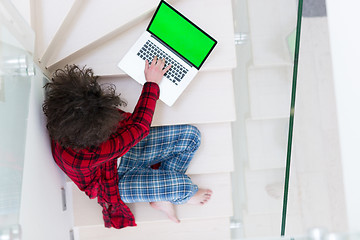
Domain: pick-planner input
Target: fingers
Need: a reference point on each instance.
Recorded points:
(157, 62)
(166, 69)
(146, 64)
(162, 65)
(154, 62)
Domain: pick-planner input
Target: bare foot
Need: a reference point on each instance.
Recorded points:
(168, 208)
(201, 197)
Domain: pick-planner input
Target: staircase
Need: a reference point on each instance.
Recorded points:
(97, 34)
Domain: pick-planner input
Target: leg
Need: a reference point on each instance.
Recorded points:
(148, 185)
(173, 146)
(161, 188)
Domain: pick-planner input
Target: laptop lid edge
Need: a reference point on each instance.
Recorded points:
(169, 47)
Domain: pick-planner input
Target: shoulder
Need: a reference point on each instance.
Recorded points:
(70, 159)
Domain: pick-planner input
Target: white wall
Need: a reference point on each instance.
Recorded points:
(23, 6)
(344, 19)
(41, 214)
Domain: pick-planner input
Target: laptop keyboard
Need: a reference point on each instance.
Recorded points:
(177, 71)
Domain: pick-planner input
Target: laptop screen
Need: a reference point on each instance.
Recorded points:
(181, 34)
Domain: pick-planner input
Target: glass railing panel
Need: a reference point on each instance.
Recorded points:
(265, 34)
(16, 72)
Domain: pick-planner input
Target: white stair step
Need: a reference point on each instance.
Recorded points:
(210, 229)
(15, 28)
(87, 212)
(89, 21)
(269, 225)
(264, 197)
(209, 98)
(47, 18)
(267, 143)
(269, 91)
(270, 29)
(104, 57)
(215, 154)
(23, 6)
(265, 190)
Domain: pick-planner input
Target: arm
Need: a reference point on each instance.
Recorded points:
(137, 126)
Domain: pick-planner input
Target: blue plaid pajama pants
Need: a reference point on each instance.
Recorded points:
(171, 146)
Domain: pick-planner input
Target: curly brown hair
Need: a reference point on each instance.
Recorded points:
(80, 113)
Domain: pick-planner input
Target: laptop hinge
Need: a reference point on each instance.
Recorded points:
(173, 51)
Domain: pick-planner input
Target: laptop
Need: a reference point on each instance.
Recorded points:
(172, 36)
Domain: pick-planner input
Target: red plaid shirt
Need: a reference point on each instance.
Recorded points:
(94, 169)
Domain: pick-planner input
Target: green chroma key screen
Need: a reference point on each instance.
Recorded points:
(181, 35)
